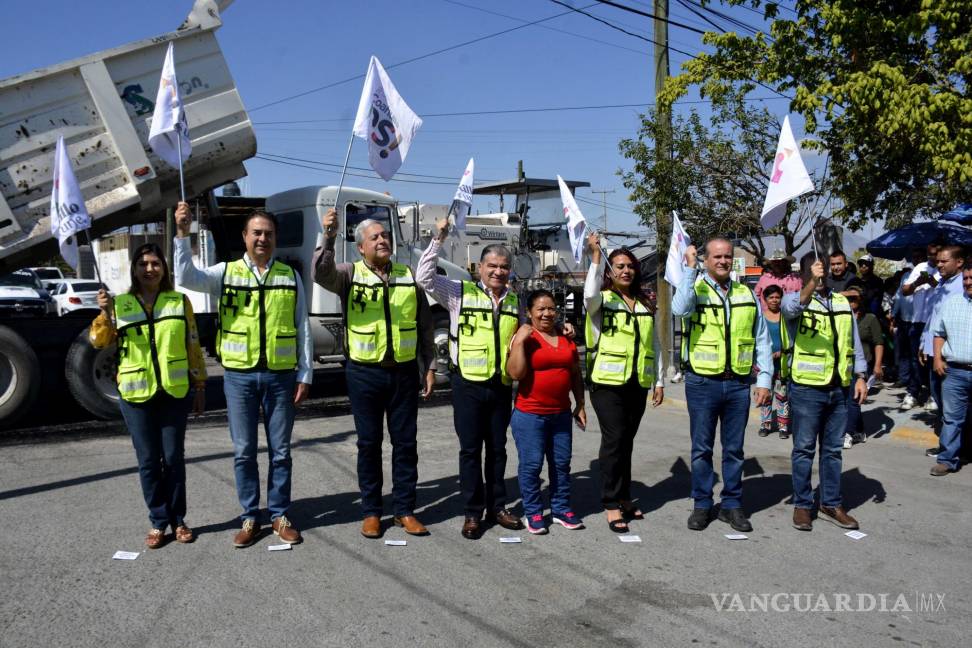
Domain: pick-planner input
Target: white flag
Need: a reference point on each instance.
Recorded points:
(576, 225)
(68, 212)
(676, 252)
(169, 124)
(462, 201)
(385, 120)
(788, 179)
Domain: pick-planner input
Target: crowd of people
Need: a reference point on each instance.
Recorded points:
(807, 342)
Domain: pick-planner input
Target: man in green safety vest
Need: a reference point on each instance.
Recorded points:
(483, 316)
(823, 359)
(724, 338)
(388, 334)
(264, 344)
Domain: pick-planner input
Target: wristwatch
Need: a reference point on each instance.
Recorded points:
(861, 376)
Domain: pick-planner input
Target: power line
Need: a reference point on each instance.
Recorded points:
(648, 15)
(411, 60)
(260, 156)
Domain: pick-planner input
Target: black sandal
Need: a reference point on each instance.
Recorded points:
(618, 526)
(631, 511)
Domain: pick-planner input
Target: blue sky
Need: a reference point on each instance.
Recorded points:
(277, 49)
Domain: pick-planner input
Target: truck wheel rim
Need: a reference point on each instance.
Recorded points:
(441, 355)
(103, 371)
(8, 379)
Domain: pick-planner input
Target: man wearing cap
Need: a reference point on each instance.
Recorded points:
(779, 273)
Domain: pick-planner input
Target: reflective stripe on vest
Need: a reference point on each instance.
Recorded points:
(258, 321)
(823, 335)
(611, 358)
(713, 346)
(482, 347)
(152, 349)
(381, 318)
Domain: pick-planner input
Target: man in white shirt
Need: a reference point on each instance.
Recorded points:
(918, 285)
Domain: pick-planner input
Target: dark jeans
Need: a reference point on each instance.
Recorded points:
(246, 392)
(919, 376)
(956, 397)
(905, 359)
(619, 410)
(481, 413)
(819, 413)
(538, 436)
(714, 401)
(377, 393)
(158, 429)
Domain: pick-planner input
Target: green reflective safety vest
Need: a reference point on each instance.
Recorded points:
(152, 349)
(258, 321)
(823, 352)
(713, 346)
(381, 319)
(483, 336)
(625, 345)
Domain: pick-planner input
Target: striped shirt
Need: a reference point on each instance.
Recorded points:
(955, 325)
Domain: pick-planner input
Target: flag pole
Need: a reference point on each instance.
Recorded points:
(344, 170)
(94, 255)
(182, 183)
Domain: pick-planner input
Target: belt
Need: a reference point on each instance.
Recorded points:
(967, 366)
(725, 375)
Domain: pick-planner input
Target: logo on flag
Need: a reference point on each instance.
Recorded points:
(462, 201)
(385, 121)
(169, 135)
(69, 215)
(788, 180)
(576, 223)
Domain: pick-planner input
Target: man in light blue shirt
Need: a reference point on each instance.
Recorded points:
(718, 373)
(953, 364)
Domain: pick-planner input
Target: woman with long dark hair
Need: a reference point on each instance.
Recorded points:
(159, 357)
(623, 364)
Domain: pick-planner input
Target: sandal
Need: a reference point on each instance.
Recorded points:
(618, 526)
(184, 534)
(631, 511)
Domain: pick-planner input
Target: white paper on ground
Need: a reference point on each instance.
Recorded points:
(125, 555)
(279, 547)
(396, 543)
(736, 536)
(629, 538)
(511, 539)
(855, 535)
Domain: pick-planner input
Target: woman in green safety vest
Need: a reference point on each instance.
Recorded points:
(623, 364)
(159, 357)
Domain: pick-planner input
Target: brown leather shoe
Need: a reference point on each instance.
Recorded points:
(470, 528)
(184, 534)
(286, 531)
(940, 470)
(411, 525)
(802, 521)
(838, 516)
(507, 520)
(247, 535)
(371, 527)
(155, 538)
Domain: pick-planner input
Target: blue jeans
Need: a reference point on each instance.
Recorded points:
(158, 429)
(956, 392)
(919, 376)
(818, 413)
(377, 392)
(245, 392)
(538, 436)
(905, 360)
(724, 401)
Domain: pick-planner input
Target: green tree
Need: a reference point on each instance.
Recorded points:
(884, 88)
(715, 177)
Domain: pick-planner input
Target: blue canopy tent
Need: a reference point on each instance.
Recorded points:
(897, 244)
(962, 214)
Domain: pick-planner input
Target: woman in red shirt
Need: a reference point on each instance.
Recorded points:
(546, 364)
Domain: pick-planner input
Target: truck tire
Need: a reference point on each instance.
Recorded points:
(20, 377)
(90, 375)
(441, 347)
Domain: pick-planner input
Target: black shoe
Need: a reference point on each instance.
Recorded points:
(859, 438)
(765, 431)
(700, 519)
(934, 452)
(784, 434)
(735, 518)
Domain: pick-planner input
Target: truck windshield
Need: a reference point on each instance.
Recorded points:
(20, 279)
(355, 213)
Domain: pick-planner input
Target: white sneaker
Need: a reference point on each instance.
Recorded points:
(907, 403)
(931, 406)
(848, 442)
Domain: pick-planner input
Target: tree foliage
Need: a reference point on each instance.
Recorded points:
(884, 88)
(715, 177)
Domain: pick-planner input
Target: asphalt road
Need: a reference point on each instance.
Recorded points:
(70, 499)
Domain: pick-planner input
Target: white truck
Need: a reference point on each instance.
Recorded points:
(102, 104)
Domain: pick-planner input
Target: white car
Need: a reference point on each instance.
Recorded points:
(74, 294)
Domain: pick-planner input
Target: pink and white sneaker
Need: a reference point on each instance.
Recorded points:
(536, 525)
(568, 520)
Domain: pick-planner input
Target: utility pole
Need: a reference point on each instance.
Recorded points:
(604, 205)
(663, 150)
